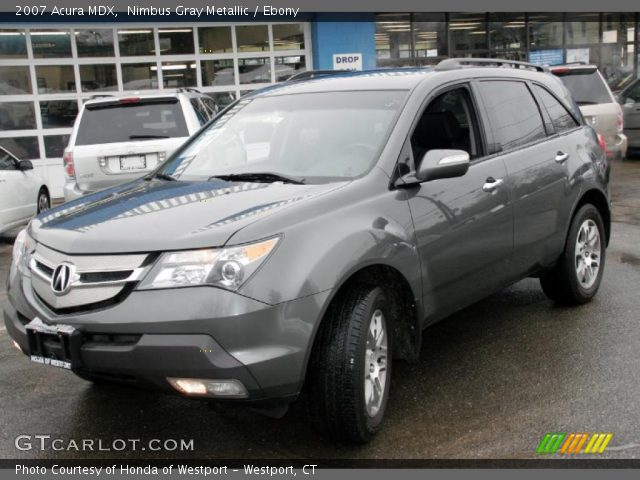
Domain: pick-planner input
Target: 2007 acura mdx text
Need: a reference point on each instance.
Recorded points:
(305, 238)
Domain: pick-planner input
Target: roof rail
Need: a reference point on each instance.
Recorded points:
(187, 89)
(457, 63)
(309, 74)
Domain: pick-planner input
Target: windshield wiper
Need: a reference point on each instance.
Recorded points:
(162, 176)
(139, 137)
(267, 177)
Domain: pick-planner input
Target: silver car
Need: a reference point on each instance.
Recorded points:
(629, 98)
(597, 104)
(118, 139)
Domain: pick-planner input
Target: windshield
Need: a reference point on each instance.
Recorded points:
(125, 122)
(587, 88)
(314, 137)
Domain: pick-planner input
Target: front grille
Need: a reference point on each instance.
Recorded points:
(94, 281)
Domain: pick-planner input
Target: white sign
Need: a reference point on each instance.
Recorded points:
(577, 55)
(347, 61)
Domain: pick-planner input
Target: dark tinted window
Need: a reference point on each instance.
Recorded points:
(560, 117)
(587, 87)
(6, 161)
(146, 120)
(513, 113)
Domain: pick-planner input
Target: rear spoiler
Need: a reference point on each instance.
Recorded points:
(570, 70)
(116, 102)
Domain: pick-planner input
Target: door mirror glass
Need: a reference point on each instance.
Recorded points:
(442, 164)
(25, 165)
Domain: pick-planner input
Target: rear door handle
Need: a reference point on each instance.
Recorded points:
(492, 184)
(561, 157)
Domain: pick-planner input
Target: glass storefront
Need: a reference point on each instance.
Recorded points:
(47, 73)
(608, 40)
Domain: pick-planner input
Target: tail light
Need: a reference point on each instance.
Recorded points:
(603, 144)
(69, 168)
(620, 119)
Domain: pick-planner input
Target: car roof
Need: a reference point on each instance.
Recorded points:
(392, 79)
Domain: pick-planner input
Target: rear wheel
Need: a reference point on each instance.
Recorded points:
(350, 367)
(44, 202)
(577, 276)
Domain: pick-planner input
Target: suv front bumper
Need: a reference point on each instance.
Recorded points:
(201, 332)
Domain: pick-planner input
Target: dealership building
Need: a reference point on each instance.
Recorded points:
(46, 72)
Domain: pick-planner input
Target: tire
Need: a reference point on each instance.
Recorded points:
(337, 374)
(569, 282)
(44, 201)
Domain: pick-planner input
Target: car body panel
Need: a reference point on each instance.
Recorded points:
(630, 102)
(18, 193)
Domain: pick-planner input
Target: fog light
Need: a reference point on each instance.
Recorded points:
(210, 388)
(17, 345)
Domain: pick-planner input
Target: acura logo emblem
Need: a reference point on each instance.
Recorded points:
(62, 278)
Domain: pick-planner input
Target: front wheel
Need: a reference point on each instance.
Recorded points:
(44, 202)
(350, 367)
(577, 276)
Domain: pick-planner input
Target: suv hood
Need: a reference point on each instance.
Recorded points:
(158, 215)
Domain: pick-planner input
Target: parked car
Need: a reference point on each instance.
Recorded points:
(629, 99)
(307, 236)
(597, 103)
(118, 139)
(23, 192)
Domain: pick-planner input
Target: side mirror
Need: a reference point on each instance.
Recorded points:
(442, 164)
(25, 165)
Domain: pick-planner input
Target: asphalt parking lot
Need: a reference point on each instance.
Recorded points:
(490, 382)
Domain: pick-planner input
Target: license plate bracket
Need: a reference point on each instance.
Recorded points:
(133, 162)
(54, 345)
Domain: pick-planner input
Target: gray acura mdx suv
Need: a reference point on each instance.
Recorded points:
(305, 238)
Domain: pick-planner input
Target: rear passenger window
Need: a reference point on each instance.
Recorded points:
(513, 113)
(560, 116)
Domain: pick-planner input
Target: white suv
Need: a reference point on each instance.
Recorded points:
(117, 139)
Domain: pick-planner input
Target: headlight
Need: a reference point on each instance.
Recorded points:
(221, 267)
(23, 247)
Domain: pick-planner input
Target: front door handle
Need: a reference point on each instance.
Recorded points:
(492, 184)
(561, 157)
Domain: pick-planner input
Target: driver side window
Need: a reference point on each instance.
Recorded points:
(6, 161)
(449, 122)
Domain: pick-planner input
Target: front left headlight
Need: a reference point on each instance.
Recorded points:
(23, 247)
(227, 268)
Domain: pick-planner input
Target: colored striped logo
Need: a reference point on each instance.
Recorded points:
(573, 443)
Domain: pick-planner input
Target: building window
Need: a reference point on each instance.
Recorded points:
(139, 76)
(100, 78)
(618, 49)
(215, 40)
(17, 116)
(94, 43)
(24, 148)
(55, 79)
(15, 80)
(179, 74)
(54, 145)
(13, 44)
(468, 34)
(288, 36)
(217, 72)
(393, 39)
(254, 70)
(287, 66)
(176, 41)
(136, 42)
(429, 38)
(51, 43)
(508, 36)
(252, 38)
(583, 29)
(58, 113)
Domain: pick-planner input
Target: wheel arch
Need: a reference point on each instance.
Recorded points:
(598, 199)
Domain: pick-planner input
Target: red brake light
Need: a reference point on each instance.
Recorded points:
(130, 100)
(620, 119)
(603, 144)
(559, 70)
(69, 168)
